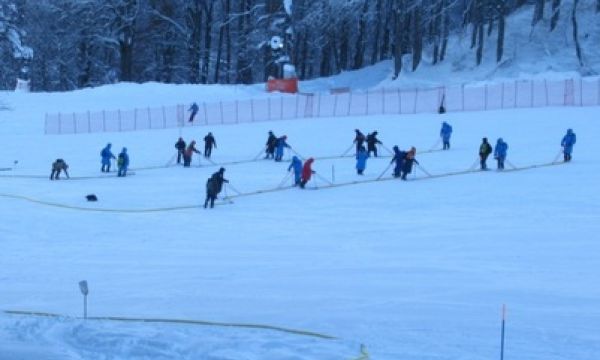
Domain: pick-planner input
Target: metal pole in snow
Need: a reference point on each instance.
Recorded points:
(502, 332)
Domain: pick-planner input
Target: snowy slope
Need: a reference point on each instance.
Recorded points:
(414, 270)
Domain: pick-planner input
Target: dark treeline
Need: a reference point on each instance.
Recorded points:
(80, 43)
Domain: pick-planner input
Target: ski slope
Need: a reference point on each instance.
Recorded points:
(412, 270)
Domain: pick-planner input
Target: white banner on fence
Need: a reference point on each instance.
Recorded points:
(492, 96)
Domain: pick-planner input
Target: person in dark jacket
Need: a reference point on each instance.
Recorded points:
(445, 134)
(361, 160)
(372, 142)
(209, 142)
(123, 163)
(500, 153)
(58, 166)
(281, 145)
(214, 185)
(187, 155)
(194, 110)
(567, 144)
(296, 164)
(180, 146)
(398, 158)
(270, 146)
(485, 149)
(409, 159)
(359, 139)
(106, 155)
(307, 172)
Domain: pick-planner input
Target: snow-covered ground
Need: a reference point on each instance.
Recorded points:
(412, 270)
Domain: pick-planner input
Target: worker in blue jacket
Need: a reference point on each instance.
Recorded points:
(445, 134)
(123, 163)
(361, 160)
(398, 158)
(296, 164)
(281, 144)
(500, 153)
(106, 155)
(567, 143)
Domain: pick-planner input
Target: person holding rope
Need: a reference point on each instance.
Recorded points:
(445, 134)
(500, 153)
(361, 160)
(372, 142)
(209, 142)
(58, 166)
(214, 185)
(281, 145)
(270, 146)
(106, 155)
(123, 163)
(359, 139)
(398, 158)
(187, 155)
(567, 144)
(485, 149)
(407, 164)
(307, 172)
(296, 164)
(180, 146)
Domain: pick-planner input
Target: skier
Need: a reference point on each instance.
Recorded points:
(359, 139)
(281, 144)
(500, 153)
(58, 166)
(106, 155)
(270, 144)
(187, 155)
(409, 159)
(485, 149)
(194, 109)
(180, 146)
(123, 163)
(372, 142)
(399, 159)
(307, 172)
(296, 164)
(361, 160)
(445, 134)
(214, 185)
(567, 143)
(209, 142)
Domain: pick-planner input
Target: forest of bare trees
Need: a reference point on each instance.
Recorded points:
(80, 43)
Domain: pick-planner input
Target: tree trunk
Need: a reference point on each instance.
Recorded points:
(538, 12)
(501, 24)
(378, 14)
(555, 14)
(575, 33)
(208, 12)
(417, 41)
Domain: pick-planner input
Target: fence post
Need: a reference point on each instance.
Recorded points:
(252, 110)
(89, 122)
(532, 82)
(297, 104)
(237, 112)
(516, 93)
(319, 105)
(135, 119)
(416, 97)
(546, 91)
(399, 100)
(103, 120)
(268, 108)
(149, 117)
(119, 117)
(205, 113)
(221, 109)
(383, 100)
(367, 107)
(462, 95)
(335, 101)
(485, 99)
(598, 90)
(502, 97)
(580, 91)
(46, 123)
(349, 102)
(281, 108)
(74, 124)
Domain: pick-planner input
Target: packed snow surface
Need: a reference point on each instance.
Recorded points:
(412, 270)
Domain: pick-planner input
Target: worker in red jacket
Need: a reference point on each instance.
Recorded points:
(307, 172)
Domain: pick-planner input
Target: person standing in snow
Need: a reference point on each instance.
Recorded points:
(194, 110)
(296, 164)
(567, 144)
(106, 155)
(281, 145)
(270, 146)
(58, 166)
(307, 172)
(500, 153)
(485, 149)
(399, 160)
(123, 163)
(209, 142)
(407, 164)
(187, 155)
(214, 185)
(361, 160)
(180, 146)
(372, 142)
(445, 134)
(359, 139)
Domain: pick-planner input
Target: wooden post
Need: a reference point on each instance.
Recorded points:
(149, 118)
(119, 117)
(164, 114)
(221, 108)
(237, 111)
(89, 122)
(349, 102)
(74, 124)
(252, 110)
(205, 113)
